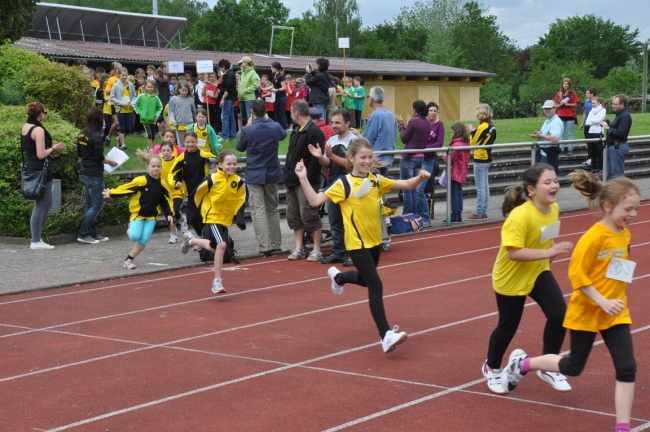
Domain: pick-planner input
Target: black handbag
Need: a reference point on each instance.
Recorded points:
(34, 182)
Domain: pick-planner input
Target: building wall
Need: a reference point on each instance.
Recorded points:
(457, 100)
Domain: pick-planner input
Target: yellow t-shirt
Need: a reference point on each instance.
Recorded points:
(109, 85)
(94, 84)
(203, 140)
(588, 266)
(361, 216)
(107, 105)
(522, 229)
(164, 175)
(126, 94)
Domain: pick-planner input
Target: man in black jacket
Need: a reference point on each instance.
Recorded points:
(228, 90)
(319, 83)
(301, 216)
(617, 133)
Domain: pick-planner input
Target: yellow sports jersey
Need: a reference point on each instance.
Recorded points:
(109, 85)
(164, 174)
(148, 197)
(126, 94)
(94, 84)
(219, 197)
(203, 139)
(588, 266)
(106, 108)
(361, 216)
(522, 229)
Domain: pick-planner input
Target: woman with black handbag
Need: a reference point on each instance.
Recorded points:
(36, 142)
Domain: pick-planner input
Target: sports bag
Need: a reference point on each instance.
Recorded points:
(405, 223)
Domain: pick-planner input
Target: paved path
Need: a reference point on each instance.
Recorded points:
(25, 270)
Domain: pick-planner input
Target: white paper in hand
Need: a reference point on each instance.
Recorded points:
(621, 270)
(365, 187)
(118, 156)
(550, 232)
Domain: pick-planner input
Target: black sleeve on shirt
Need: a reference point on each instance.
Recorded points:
(97, 145)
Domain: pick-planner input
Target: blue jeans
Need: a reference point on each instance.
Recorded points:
(336, 225)
(410, 168)
(228, 122)
(93, 188)
(482, 186)
(323, 110)
(456, 201)
(280, 106)
(245, 111)
(616, 160)
(423, 204)
(568, 129)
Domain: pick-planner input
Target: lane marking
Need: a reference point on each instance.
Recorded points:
(641, 428)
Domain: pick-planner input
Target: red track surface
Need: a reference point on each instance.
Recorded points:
(280, 352)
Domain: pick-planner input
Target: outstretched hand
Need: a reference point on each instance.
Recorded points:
(106, 193)
(301, 171)
(423, 175)
(315, 151)
(560, 248)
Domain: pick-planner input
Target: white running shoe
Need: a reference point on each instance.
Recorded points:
(587, 162)
(217, 286)
(128, 264)
(511, 374)
(336, 288)
(173, 239)
(555, 379)
(392, 338)
(183, 222)
(185, 246)
(41, 245)
(493, 378)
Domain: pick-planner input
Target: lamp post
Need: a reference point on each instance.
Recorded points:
(155, 7)
(644, 90)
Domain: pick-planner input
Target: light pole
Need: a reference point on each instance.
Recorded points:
(155, 7)
(644, 89)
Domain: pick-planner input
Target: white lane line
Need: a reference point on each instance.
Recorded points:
(641, 427)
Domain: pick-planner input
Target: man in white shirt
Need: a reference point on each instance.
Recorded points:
(551, 133)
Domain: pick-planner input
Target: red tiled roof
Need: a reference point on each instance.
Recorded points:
(136, 54)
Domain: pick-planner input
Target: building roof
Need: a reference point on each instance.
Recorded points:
(74, 23)
(71, 50)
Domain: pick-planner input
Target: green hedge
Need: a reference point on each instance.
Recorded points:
(15, 210)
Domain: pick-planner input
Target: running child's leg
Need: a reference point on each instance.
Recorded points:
(214, 240)
(511, 309)
(548, 295)
(619, 343)
(366, 261)
(140, 232)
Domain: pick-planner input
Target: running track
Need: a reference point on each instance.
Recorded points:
(280, 352)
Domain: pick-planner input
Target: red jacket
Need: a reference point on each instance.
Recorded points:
(459, 161)
(326, 129)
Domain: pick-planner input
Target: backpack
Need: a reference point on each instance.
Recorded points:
(230, 255)
(405, 223)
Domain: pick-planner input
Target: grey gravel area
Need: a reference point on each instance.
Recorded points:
(74, 263)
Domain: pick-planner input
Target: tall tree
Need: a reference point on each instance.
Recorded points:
(243, 26)
(393, 40)
(602, 44)
(334, 19)
(17, 16)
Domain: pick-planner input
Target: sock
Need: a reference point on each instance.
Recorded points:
(190, 242)
(336, 279)
(622, 427)
(524, 365)
(130, 258)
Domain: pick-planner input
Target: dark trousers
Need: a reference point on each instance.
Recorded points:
(456, 201)
(618, 340)
(194, 216)
(366, 261)
(552, 156)
(335, 218)
(280, 106)
(595, 153)
(546, 292)
(215, 117)
(357, 114)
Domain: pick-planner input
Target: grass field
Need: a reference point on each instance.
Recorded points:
(508, 131)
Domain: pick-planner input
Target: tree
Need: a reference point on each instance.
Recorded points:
(334, 19)
(602, 44)
(17, 16)
(243, 26)
(303, 29)
(393, 40)
(542, 84)
(622, 80)
(480, 44)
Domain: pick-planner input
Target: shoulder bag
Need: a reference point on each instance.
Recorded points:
(33, 182)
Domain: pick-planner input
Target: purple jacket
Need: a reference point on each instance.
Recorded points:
(436, 138)
(415, 135)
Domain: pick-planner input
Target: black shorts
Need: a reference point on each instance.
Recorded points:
(215, 233)
(113, 110)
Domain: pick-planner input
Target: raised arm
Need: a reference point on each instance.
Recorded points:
(315, 199)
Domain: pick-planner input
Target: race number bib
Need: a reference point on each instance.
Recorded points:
(621, 270)
(550, 232)
(200, 142)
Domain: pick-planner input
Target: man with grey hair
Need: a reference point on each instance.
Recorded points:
(550, 134)
(380, 127)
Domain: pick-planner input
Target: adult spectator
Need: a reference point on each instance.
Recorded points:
(301, 216)
(334, 159)
(247, 87)
(589, 95)
(593, 129)
(319, 83)
(415, 135)
(565, 103)
(278, 85)
(36, 141)
(327, 130)
(380, 128)
(430, 161)
(617, 133)
(90, 148)
(550, 133)
(228, 89)
(485, 134)
(260, 140)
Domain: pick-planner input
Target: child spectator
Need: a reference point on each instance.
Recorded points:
(181, 110)
(149, 196)
(219, 198)
(291, 96)
(486, 134)
(151, 69)
(140, 81)
(210, 97)
(170, 136)
(302, 91)
(107, 108)
(173, 80)
(123, 97)
(359, 98)
(348, 98)
(208, 141)
(327, 130)
(148, 107)
(459, 167)
(115, 124)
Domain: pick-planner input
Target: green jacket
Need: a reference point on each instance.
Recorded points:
(248, 84)
(148, 108)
